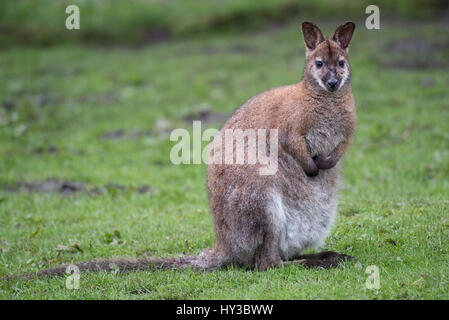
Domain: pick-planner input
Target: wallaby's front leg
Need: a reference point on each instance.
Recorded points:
(296, 146)
(329, 161)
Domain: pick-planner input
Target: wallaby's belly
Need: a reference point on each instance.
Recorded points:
(304, 215)
(305, 223)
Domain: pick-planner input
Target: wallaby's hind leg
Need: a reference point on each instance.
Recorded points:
(325, 259)
(267, 255)
(211, 259)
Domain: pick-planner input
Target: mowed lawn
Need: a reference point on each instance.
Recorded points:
(85, 170)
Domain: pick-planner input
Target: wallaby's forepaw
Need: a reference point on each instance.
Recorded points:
(310, 168)
(323, 162)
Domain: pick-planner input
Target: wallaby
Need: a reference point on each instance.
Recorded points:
(264, 221)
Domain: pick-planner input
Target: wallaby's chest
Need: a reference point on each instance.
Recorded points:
(325, 135)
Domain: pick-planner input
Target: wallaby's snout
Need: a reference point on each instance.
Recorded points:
(327, 62)
(332, 84)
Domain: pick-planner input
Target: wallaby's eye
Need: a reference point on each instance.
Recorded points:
(319, 64)
(341, 63)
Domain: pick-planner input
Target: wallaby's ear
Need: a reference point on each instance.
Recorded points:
(343, 34)
(312, 35)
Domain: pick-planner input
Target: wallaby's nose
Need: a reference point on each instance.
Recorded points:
(332, 84)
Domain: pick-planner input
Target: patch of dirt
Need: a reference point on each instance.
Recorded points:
(212, 50)
(44, 99)
(45, 150)
(58, 71)
(157, 35)
(47, 186)
(164, 127)
(140, 134)
(427, 83)
(114, 134)
(417, 46)
(265, 15)
(65, 187)
(207, 117)
(141, 290)
(8, 104)
(160, 163)
(417, 54)
(121, 134)
(99, 98)
(242, 49)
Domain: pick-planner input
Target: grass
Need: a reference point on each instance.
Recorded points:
(58, 103)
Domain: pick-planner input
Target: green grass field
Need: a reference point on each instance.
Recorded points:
(99, 117)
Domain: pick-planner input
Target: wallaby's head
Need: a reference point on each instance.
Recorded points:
(327, 65)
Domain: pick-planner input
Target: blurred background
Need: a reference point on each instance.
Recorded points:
(143, 22)
(85, 118)
(137, 69)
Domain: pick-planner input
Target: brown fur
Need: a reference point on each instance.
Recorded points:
(239, 196)
(315, 128)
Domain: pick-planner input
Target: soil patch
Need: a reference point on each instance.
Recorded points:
(121, 134)
(65, 187)
(417, 54)
(207, 117)
(157, 35)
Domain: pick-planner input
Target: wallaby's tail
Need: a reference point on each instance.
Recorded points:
(208, 259)
(113, 265)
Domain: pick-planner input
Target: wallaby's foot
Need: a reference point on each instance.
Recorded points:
(325, 259)
(326, 255)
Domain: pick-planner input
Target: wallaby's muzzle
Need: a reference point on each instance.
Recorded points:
(332, 84)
